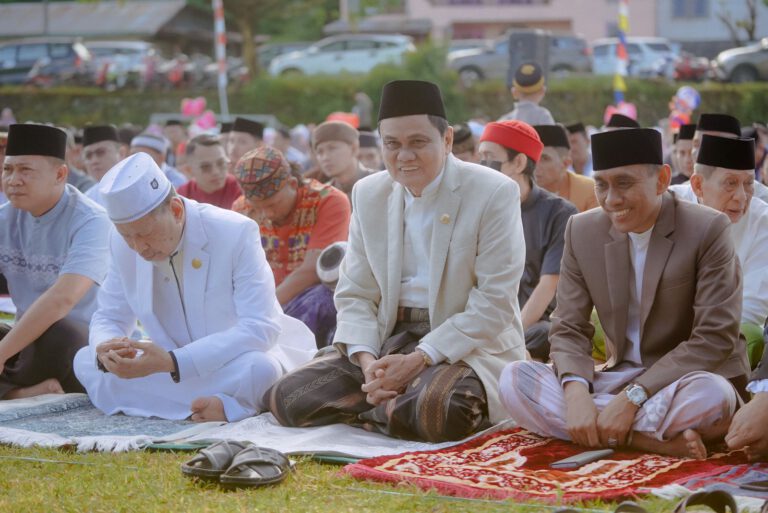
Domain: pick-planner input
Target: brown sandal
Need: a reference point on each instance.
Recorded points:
(718, 500)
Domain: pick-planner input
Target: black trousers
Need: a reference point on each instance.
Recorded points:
(3, 285)
(50, 356)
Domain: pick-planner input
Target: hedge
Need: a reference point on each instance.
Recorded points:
(300, 99)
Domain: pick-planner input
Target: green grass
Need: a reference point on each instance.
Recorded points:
(152, 481)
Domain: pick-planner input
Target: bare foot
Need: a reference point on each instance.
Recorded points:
(208, 409)
(49, 386)
(687, 444)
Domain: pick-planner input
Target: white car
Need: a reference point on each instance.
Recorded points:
(357, 53)
(648, 56)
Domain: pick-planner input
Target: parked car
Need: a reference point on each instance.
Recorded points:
(648, 56)
(356, 53)
(18, 58)
(566, 54)
(122, 63)
(269, 51)
(745, 64)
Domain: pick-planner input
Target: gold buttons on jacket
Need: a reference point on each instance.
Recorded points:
(445, 219)
(196, 263)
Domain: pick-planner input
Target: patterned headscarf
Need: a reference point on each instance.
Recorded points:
(262, 172)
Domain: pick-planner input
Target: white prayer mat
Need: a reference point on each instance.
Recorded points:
(59, 420)
(70, 420)
(335, 440)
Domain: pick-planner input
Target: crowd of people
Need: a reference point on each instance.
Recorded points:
(415, 278)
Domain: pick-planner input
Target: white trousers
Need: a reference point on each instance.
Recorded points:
(240, 384)
(533, 396)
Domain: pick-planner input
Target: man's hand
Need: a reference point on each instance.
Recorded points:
(581, 415)
(391, 375)
(122, 346)
(615, 422)
(748, 428)
(122, 359)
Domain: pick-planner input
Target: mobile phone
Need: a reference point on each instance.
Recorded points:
(581, 459)
(756, 486)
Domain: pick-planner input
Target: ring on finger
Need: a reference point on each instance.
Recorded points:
(612, 442)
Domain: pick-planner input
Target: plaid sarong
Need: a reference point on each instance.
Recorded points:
(444, 402)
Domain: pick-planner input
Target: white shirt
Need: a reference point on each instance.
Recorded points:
(638, 251)
(168, 297)
(94, 194)
(750, 237)
(761, 385)
(418, 220)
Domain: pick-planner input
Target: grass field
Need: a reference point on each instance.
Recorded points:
(152, 482)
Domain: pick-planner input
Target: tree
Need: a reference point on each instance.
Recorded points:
(748, 24)
(284, 19)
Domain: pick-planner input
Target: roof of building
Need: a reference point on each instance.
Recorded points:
(89, 19)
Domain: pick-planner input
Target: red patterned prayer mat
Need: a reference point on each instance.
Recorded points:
(515, 464)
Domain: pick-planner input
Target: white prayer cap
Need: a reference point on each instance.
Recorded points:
(133, 188)
(152, 141)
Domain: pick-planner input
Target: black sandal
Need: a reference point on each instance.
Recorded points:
(256, 466)
(211, 462)
(718, 500)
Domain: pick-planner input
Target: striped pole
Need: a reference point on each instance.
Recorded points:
(220, 35)
(622, 58)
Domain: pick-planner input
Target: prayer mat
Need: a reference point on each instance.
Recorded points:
(70, 420)
(515, 464)
(730, 479)
(333, 442)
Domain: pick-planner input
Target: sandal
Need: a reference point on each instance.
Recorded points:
(256, 466)
(211, 462)
(718, 500)
(764, 509)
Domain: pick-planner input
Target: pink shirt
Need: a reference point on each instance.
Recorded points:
(223, 198)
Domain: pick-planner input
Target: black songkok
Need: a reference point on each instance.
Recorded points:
(410, 97)
(94, 134)
(622, 121)
(575, 128)
(368, 140)
(627, 147)
(719, 123)
(738, 154)
(254, 128)
(30, 139)
(553, 135)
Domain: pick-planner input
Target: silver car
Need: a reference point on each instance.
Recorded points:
(567, 54)
(745, 64)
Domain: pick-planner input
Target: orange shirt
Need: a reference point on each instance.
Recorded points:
(321, 217)
(579, 190)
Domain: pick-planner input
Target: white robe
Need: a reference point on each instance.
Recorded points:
(750, 236)
(230, 337)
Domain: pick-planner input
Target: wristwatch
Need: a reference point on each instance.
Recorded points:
(636, 394)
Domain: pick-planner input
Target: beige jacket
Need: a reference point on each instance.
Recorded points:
(477, 258)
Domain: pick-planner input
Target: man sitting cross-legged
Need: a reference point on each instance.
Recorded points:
(427, 315)
(663, 275)
(196, 278)
(53, 242)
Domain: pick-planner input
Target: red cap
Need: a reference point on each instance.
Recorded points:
(514, 135)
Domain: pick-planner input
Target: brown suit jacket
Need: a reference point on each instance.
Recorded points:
(690, 306)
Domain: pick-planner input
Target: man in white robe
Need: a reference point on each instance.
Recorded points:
(196, 279)
(724, 179)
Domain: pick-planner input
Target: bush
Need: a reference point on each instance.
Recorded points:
(300, 99)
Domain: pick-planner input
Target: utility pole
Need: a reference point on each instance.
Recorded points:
(45, 17)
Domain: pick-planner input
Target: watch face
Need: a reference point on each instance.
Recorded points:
(636, 394)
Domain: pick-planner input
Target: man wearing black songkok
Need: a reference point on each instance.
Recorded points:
(663, 276)
(426, 297)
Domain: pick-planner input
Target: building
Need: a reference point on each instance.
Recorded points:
(170, 24)
(472, 19)
(696, 24)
